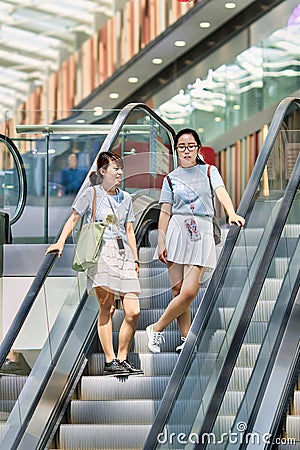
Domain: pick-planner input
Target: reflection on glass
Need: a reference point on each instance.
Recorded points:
(229, 301)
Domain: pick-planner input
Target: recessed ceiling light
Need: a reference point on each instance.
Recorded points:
(157, 61)
(80, 121)
(218, 119)
(180, 43)
(133, 80)
(51, 151)
(237, 107)
(200, 130)
(98, 111)
(230, 5)
(204, 24)
(65, 138)
(114, 95)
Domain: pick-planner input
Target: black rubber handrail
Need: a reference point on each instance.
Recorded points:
(49, 260)
(22, 196)
(205, 309)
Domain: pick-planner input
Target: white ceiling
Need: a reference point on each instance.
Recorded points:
(36, 36)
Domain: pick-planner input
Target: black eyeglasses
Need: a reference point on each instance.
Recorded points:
(190, 147)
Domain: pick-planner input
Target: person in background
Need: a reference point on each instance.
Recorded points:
(116, 274)
(185, 232)
(73, 176)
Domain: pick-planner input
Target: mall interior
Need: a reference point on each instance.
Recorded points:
(84, 76)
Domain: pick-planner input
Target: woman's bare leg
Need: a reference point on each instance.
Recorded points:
(181, 303)
(106, 311)
(129, 324)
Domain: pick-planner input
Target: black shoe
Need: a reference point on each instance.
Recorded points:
(115, 368)
(130, 367)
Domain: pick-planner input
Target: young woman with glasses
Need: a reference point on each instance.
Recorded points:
(185, 232)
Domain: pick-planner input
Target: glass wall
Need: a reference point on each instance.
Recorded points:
(232, 92)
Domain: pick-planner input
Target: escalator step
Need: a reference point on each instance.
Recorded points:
(133, 387)
(147, 316)
(140, 341)
(11, 386)
(152, 364)
(297, 403)
(99, 437)
(231, 402)
(248, 355)
(293, 427)
(240, 378)
(263, 311)
(112, 412)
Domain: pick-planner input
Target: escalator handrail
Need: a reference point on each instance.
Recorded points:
(206, 306)
(21, 175)
(49, 260)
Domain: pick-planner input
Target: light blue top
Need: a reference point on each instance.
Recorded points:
(120, 205)
(191, 185)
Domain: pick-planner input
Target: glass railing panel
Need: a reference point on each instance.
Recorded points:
(273, 306)
(231, 293)
(64, 153)
(10, 179)
(37, 343)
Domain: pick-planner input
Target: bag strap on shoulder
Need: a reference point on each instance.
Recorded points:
(94, 205)
(211, 189)
(169, 182)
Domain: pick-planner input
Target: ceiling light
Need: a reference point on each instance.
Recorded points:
(157, 61)
(180, 43)
(230, 5)
(204, 24)
(218, 119)
(200, 130)
(80, 121)
(133, 80)
(237, 107)
(51, 151)
(65, 138)
(114, 95)
(98, 111)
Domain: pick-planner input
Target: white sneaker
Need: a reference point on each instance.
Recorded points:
(154, 339)
(180, 347)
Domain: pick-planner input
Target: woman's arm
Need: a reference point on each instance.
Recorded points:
(163, 222)
(132, 243)
(66, 231)
(225, 200)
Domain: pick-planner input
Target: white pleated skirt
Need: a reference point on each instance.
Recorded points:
(182, 250)
(114, 272)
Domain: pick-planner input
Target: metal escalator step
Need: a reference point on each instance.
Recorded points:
(296, 403)
(250, 236)
(242, 256)
(223, 424)
(248, 355)
(293, 427)
(216, 341)
(112, 412)
(6, 407)
(263, 311)
(131, 388)
(256, 332)
(158, 364)
(231, 402)
(140, 341)
(270, 289)
(239, 379)
(291, 230)
(225, 316)
(146, 317)
(281, 266)
(11, 386)
(99, 437)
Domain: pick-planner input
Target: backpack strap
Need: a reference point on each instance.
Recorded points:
(169, 182)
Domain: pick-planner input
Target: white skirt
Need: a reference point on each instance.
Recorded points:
(182, 250)
(114, 272)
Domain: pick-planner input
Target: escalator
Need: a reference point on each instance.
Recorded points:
(66, 404)
(220, 394)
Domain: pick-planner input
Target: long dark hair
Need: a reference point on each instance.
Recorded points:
(103, 161)
(199, 160)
